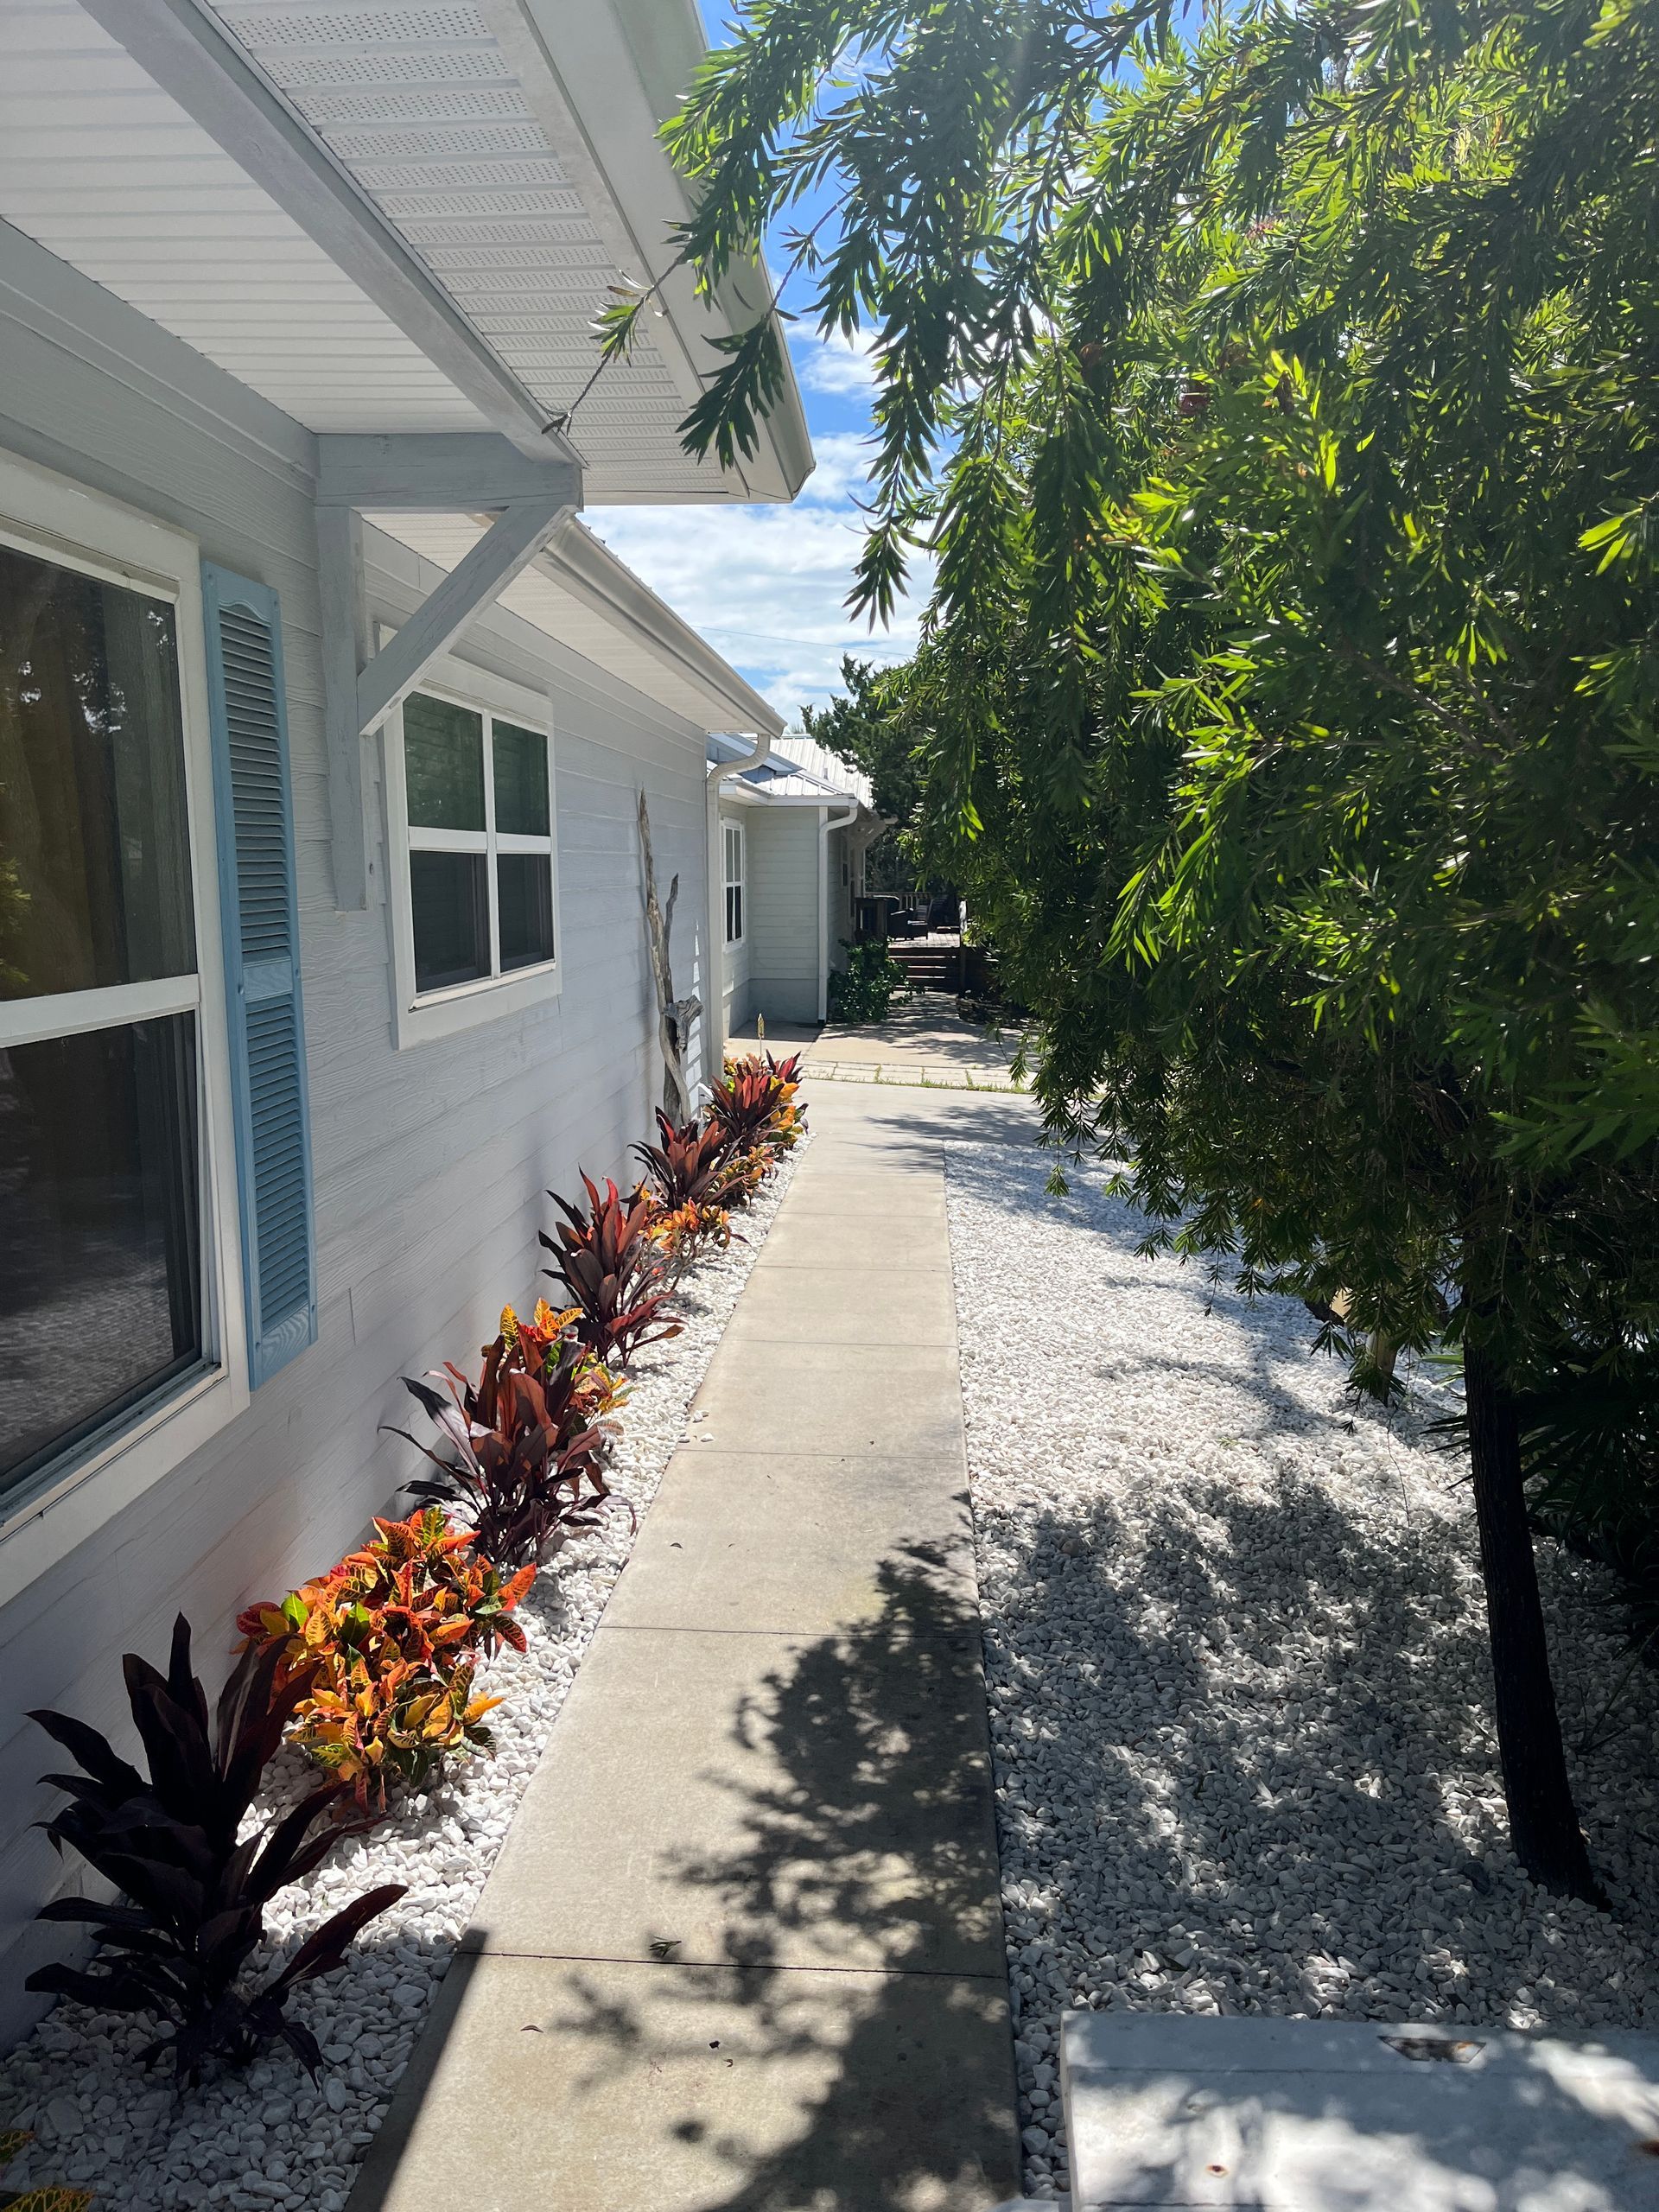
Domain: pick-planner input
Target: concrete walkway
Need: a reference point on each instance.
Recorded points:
(742, 1951)
(924, 1042)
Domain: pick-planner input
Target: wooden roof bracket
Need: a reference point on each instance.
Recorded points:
(446, 473)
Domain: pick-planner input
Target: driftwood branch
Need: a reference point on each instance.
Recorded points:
(674, 1016)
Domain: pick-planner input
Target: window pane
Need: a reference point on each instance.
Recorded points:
(524, 901)
(94, 860)
(100, 1295)
(520, 781)
(449, 894)
(443, 764)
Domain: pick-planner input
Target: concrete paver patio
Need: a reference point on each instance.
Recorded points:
(924, 1042)
(742, 1951)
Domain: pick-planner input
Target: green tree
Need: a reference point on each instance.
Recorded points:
(866, 725)
(1280, 405)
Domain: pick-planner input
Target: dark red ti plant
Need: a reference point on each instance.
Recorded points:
(522, 1451)
(191, 1896)
(691, 1166)
(752, 1104)
(613, 1273)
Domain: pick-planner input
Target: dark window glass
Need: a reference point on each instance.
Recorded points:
(443, 764)
(449, 894)
(733, 912)
(520, 781)
(100, 1284)
(525, 908)
(94, 858)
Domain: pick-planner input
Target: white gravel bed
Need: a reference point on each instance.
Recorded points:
(271, 2136)
(1236, 1657)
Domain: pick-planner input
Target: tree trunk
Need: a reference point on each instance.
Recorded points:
(1543, 1823)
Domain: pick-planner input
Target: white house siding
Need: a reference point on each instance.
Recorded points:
(430, 1164)
(783, 902)
(740, 996)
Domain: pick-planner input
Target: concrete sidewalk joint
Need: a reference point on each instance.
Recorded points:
(743, 1948)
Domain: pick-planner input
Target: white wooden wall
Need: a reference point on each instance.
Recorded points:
(740, 996)
(783, 931)
(430, 1164)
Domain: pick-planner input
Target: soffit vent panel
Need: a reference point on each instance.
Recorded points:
(485, 203)
(106, 171)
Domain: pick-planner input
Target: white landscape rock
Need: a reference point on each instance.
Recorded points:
(1235, 1654)
(270, 2137)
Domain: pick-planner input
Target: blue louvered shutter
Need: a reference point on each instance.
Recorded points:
(255, 808)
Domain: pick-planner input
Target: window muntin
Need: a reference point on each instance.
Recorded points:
(102, 1186)
(479, 866)
(734, 852)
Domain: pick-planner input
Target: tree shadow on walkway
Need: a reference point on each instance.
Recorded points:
(871, 1855)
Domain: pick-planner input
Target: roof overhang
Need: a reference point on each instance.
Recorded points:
(609, 73)
(393, 219)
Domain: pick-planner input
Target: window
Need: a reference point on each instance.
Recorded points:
(472, 784)
(113, 1067)
(734, 845)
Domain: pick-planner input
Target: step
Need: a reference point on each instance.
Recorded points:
(1356, 2116)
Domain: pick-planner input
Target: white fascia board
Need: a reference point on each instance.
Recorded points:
(586, 568)
(603, 79)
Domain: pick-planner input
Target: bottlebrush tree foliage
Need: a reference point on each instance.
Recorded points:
(1279, 398)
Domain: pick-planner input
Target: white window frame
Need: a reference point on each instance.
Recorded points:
(731, 839)
(422, 1017)
(58, 520)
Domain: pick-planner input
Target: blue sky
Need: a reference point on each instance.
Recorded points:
(765, 585)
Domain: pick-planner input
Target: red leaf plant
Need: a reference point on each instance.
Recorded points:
(614, 1275)
(753, 1105)
(522, 1453)
(695, 1178)
(190, 1878)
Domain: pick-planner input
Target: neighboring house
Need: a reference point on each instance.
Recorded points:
(322, 727)
(794, 831)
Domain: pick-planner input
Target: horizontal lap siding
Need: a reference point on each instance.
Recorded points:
(430, 1164)
(783, 929)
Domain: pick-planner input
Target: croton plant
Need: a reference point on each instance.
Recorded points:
(753, 1105)
(13, 2141)
(614, 1275)
(386, 1645)
(521, 1452)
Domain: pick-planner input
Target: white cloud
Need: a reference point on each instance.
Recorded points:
(766, 584)
(841, 367)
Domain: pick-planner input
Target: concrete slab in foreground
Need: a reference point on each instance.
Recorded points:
(1343, 2116)
(554, 2085)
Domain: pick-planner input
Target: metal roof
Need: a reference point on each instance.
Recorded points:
(799, 769)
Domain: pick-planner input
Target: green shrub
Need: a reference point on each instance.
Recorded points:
(864, 989)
